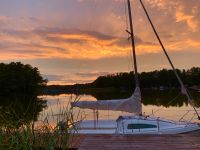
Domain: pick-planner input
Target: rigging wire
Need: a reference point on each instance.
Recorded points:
(126, 16)
(192, 117)
(168, 103)
(183, 89)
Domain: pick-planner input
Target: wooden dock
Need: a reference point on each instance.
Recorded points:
(190, 141)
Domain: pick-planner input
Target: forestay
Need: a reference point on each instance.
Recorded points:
(131, 104)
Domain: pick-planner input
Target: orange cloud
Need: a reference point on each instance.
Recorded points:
(189, 19)
(64, 43)
(28, 40)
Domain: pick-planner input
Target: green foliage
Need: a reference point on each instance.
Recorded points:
(17, 78)
(19, 87)
(20, 107)
(42, 134)
(152, 79)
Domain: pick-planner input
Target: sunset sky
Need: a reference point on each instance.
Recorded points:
(75, 41)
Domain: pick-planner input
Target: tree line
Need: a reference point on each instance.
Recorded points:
(157, 79)
(20, 85)
(19, 79)
(153, 79)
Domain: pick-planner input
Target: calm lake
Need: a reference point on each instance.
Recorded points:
(20, 109)
(166, 104)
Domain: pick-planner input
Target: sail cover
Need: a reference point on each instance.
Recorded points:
(131, 104)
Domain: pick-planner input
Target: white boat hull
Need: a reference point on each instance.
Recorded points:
(140, 125)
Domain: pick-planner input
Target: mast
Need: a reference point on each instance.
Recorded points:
(133, 43)
(183, 89)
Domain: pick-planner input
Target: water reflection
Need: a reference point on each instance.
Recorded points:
(20, 109)
(165, 104)
(151, 97)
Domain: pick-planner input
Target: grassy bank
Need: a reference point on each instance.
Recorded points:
(23, 135)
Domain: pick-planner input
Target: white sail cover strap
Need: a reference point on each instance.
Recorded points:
(131, 104)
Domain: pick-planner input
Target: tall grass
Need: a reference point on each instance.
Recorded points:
(41, 135)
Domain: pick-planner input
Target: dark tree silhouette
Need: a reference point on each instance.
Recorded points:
(164, 77)
(19, 87)
(16, 78)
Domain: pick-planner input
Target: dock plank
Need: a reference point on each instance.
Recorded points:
(190, 141)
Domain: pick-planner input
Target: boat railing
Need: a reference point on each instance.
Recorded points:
(158, 124)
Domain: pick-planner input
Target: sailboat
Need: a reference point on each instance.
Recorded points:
(137, 123)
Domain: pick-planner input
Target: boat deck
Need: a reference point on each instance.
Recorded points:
(188, 141)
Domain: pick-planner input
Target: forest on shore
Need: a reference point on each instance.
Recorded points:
(158, 79)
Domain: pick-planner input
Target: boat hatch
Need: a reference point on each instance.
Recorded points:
(140, 126)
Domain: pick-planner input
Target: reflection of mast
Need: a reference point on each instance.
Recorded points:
(183, 89)
(133, 43)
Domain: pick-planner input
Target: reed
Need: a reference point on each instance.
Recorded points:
(42, 134)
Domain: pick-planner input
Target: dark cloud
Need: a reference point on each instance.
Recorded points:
(17, 33)
(66, 82)
(64, 79)
(63, 31)
(119, 41)
(53, 77)
(91, 74)
(28, 48)
(62, 40)
(126, 42)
